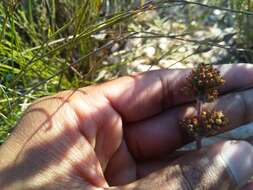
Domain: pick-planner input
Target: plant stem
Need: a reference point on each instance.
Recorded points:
(199, 110)
(198, 143)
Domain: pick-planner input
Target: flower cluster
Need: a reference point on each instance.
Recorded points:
(207, 124)
(203, 82)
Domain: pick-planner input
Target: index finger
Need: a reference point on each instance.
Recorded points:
(143, 95)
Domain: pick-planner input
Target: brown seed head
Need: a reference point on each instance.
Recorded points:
(209, 124)
(203, 82)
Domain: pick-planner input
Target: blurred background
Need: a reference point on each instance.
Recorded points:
(50, 45)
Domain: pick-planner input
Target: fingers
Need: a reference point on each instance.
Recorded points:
(144, 95)
(226, 166)
(162, 134)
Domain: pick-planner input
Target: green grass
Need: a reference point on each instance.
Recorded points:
(47, 46)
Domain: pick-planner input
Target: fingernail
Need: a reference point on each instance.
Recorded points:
(238, 157)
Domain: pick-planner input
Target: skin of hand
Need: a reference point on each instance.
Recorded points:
(121, 135)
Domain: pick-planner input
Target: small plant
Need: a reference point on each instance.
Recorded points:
(203, 83)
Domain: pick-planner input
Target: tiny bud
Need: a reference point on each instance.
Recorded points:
(222, 81)
(210, 98)
(220, 114)
(218, 121)
(203, 114)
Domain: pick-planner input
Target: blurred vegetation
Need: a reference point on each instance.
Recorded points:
(243, 24)
(51, 45)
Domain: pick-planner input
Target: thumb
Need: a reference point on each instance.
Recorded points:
(226, 165)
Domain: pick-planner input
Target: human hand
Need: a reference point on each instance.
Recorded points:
(118, 132)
